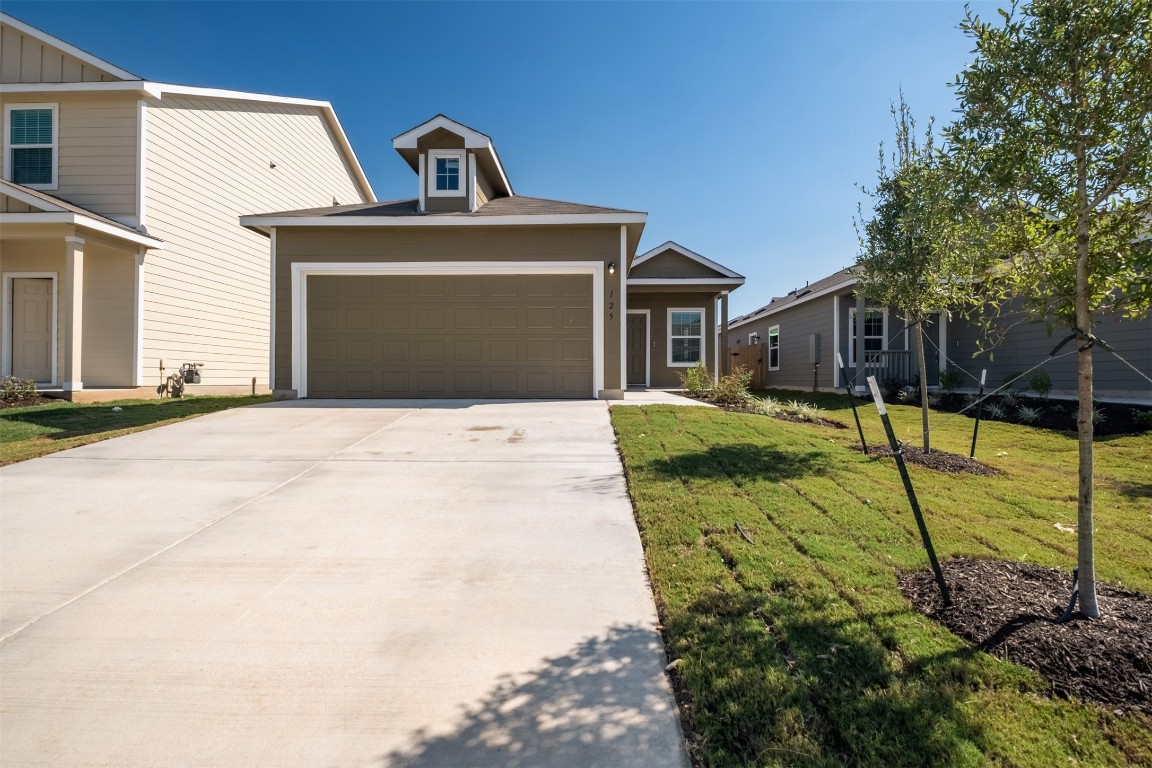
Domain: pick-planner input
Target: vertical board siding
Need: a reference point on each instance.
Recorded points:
(25, 59)
(206, 296)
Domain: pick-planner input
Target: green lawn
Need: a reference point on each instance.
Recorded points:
(800, 650)
(36, 430)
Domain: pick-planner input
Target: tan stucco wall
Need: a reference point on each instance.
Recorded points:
(471, 244)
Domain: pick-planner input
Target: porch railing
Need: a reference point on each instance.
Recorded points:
(895, 364)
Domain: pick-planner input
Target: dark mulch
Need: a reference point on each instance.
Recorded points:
(942, 461)
(1010, 610)
(37, 400)
(1057, 415)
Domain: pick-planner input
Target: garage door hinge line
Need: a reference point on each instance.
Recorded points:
(206, 526)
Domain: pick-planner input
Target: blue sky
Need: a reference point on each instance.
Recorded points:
(742, 129)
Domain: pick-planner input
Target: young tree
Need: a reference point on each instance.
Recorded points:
(1056, 125)
(910, 257)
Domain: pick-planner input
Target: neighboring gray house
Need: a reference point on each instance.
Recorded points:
(802, 331)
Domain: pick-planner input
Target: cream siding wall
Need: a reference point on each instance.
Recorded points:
(109, 317)
(210, 161)
(97, 150)
(25, 59)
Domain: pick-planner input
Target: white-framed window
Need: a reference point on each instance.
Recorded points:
(31, 144)
(685, 337)
(447, 173)
(774, 348)
(875, 336)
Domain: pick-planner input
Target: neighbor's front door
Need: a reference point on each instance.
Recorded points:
(32, 328)
(637, 350)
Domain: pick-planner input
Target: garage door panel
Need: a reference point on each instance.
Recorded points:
(450, 336)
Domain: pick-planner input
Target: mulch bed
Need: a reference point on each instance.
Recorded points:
(1010, 609)
(942, 461)
(37, 400)
(1058, 415)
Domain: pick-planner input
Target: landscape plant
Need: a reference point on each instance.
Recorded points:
(911, 254)
(697, 381)
(732, 388)
(1040, 382)
(1055, 131)
(16, 390)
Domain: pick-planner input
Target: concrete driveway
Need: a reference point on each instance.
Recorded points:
(326, 583)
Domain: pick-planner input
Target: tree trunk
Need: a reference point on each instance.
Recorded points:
(1085, 427)
(919, 339)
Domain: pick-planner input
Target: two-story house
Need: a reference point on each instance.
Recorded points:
(121, 254)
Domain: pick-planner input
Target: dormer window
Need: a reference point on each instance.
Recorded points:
(447, 178)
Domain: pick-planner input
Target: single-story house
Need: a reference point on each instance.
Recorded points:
(802, 331)
(470, 290)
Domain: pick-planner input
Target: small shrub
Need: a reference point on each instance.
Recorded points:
(1010, 399)
(994, 411)
(806, 411)
(950, 379)
(1011, 378)
(908, 394)
(14, 390)
(732, 389)
(970, 401)
(1027, 415)
(768, 406)
(1040, 382)
(890, 389)
(1098, 416)
(1142, 419)
(697, 382)
(934, 398)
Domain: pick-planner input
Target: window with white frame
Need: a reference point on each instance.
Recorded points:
(685, 337)
(875, 338)
(774, 348)
(447, 173)
(30, 145)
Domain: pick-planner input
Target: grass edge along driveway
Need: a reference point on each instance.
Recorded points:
(37, 430)
(800, 650)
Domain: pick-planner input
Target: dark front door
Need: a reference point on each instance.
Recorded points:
(637, 350)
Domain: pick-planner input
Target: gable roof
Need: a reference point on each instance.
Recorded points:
(822, 287)
(54, 210)
(677, 248)
(55, 42)
(406, 144)
(517, 206)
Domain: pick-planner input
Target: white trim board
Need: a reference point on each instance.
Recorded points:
(301, 271)
(75, 219)
(685, 281)
(6, 308)
(444, 220)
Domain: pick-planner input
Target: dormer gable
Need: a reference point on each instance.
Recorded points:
(33, 56)
(458, 167)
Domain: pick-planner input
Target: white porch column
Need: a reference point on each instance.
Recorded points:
(725, 358)
(73, 295)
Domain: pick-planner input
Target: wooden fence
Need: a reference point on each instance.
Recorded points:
(753, 357)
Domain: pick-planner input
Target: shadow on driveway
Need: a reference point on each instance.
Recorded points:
(604, 703)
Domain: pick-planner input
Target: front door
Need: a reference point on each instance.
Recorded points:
(637, 350)
(32, 328)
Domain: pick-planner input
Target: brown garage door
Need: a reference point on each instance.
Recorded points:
(450, 336)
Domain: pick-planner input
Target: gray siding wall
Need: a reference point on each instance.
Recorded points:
(796, 324)
(1027, 344)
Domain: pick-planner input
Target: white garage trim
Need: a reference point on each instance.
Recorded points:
(301, 271)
